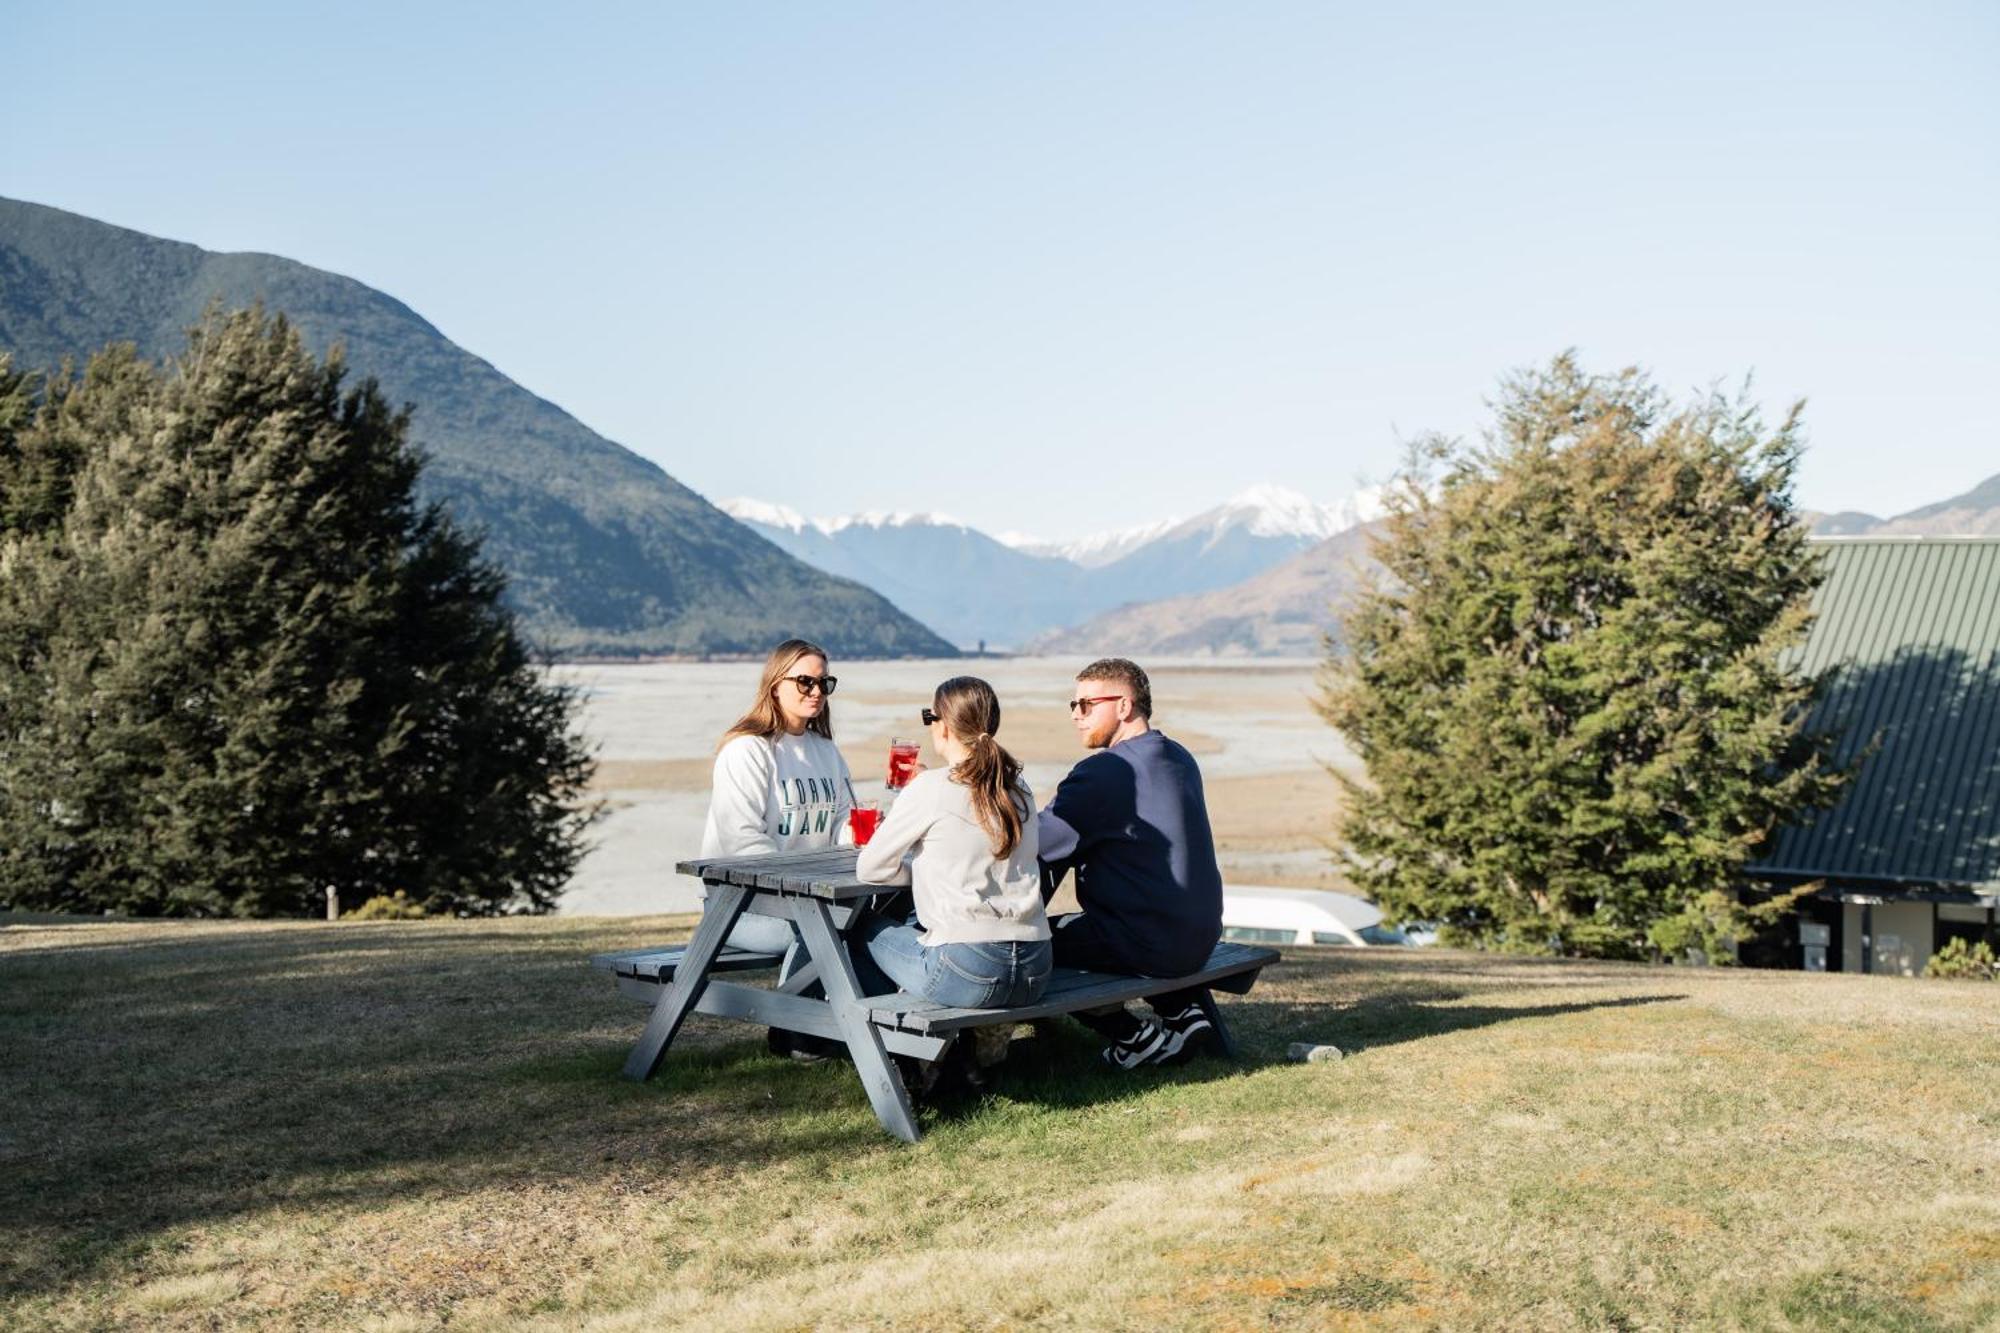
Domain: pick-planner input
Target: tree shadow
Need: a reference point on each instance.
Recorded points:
(203, 1076)
(1391, 1019)
(209, 1074)
(1925, 803)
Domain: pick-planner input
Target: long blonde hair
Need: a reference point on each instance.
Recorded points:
(765, 718)
(971, 712)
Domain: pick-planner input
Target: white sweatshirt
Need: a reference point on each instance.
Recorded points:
(964, 894)
(791, 794)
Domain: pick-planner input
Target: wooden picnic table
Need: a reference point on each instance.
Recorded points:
(818, 892)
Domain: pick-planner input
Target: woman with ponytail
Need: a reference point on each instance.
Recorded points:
(963, 837)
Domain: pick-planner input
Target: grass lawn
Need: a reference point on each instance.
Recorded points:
(402, 1126)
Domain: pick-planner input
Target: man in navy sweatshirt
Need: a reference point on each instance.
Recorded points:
(1131, 821)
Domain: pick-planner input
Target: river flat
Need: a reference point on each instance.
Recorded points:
(1263, 751)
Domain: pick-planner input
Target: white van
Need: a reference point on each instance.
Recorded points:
(1255, 914)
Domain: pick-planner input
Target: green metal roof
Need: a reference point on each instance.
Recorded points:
(1914, 626)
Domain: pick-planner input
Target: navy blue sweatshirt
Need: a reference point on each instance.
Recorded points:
(1132, 822)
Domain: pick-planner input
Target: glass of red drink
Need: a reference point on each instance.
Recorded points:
(902, 763)
(861, 821)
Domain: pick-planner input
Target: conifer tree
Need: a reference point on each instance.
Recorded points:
(246, 667)
(34, 465)
(1569, 682)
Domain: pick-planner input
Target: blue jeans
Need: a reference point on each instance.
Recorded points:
(994, 974)
(763, 934)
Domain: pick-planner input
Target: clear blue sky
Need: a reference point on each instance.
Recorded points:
(1065, 267)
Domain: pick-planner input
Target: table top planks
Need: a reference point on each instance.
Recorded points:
(825, 873)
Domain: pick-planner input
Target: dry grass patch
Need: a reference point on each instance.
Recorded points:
(414, 1125)
(1252, 812)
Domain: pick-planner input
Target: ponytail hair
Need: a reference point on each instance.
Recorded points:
(971, 712)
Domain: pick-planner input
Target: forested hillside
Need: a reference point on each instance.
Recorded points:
(604, 551)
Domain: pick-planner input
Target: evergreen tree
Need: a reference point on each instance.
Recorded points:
(35, 466)
(246, 666)
(1568, 681)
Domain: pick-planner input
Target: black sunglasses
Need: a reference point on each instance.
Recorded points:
(930, 718)
(813, 684)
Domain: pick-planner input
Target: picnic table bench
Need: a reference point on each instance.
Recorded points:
(817, 892)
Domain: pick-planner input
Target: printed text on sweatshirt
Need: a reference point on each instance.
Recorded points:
(791, 794)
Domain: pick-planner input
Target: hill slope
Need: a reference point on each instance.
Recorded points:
(605, 552)
(1247, 535)
(1283, 612)
(1976, 513)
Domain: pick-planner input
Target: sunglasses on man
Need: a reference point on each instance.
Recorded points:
(1085, 705)
(810, 685)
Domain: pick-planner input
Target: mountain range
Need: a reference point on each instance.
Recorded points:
(605, 552)
(1287, 610)
(608, 554)
(1975, 513)
(981, 590)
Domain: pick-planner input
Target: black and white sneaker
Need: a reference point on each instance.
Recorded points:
(1142, 1047)
(1188, 1032)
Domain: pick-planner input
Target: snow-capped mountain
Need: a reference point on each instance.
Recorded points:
(973, 588)
(1238, 539)
(1264, 511)
(764, 515)
(1362, 506)
(1273, 511)
(876, 518)
(1257, 574)
(1096, 550)
(956, 579)
(1282, 612)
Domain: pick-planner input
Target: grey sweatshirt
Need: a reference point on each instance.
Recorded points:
(965, 895)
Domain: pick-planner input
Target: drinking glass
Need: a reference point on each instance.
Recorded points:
(902, 763)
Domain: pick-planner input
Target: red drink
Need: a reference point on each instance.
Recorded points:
(902, 763)
(861, 820)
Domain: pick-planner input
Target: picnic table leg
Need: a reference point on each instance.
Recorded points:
(843, 994)
(725, 905)
(1224, 1039)
(801, 979)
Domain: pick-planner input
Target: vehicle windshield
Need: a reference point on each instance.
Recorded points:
(1258, 935)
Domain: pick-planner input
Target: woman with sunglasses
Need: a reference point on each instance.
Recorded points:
(780, 783)
(963, 837)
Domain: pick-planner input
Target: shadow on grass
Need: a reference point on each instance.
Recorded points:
(200, 1076)
(1390, 1019)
